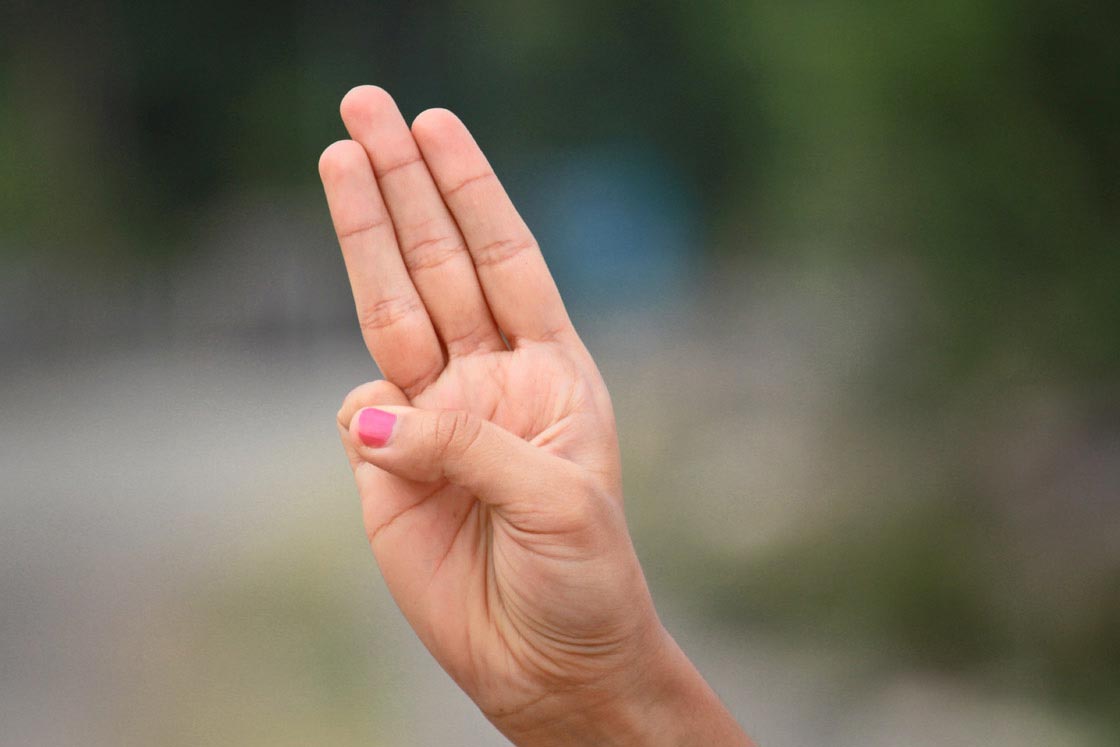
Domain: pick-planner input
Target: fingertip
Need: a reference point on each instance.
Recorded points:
(372, 427)
(432, 123)
(379, 392)
(362, 100)
(352, 424)
(338, 157)
(361, 94)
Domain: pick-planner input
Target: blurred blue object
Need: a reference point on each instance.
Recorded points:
(617, 225)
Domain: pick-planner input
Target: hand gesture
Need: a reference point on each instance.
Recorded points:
(487, 459)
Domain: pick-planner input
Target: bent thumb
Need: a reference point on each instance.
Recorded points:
(495, 465)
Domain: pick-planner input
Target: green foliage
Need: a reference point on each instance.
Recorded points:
(975, 142)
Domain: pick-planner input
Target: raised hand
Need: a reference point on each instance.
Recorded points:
(487, 460)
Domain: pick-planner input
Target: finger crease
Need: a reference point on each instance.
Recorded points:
(419, 382)
(467, 182)
(372, 536)
(362, 229)
(451, 545)
(470, 341)
(549, 335)
(398, 166)
(501, 251)
(431, 253)
(387, 312)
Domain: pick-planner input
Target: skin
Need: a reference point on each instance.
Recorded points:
(495, 508)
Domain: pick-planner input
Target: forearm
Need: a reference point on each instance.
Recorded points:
(665, 701)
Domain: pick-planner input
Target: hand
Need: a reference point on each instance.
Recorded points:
(487, 460)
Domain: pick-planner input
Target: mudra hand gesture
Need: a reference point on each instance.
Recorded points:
(487, 459)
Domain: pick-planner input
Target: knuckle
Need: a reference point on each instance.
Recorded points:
(387, 312)
(502, 251)
(432, 252)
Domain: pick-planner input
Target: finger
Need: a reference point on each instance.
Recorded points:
(394, 322)
(518, 287)
(429, 241)
(389, 500)
(370, 394)
(520, 480)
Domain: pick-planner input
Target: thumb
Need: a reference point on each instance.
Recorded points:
(493, 464)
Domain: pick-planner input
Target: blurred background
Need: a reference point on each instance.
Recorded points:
(850, 270)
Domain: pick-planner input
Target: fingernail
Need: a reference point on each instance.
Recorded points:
(375, 426)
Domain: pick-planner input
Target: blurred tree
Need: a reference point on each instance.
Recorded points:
(977, 141)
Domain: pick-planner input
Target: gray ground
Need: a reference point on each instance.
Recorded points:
(181, 560)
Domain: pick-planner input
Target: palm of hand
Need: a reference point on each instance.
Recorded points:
(530, 392)
(495, 590)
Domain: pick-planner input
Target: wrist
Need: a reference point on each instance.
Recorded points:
(660, 700)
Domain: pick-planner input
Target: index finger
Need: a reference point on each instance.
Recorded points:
(393, 319)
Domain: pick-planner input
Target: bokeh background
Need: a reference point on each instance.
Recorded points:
(850, 269)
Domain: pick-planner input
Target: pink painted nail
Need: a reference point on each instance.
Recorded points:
(375, 426)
